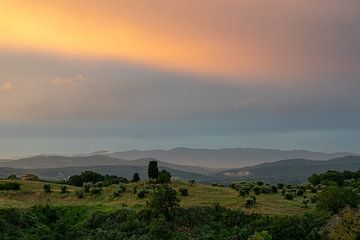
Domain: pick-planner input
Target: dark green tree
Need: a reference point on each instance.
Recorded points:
(153, 171)
(164, 177)
(136, 177)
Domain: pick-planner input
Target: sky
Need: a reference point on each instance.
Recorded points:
(87, 75)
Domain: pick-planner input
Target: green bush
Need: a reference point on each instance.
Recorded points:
(184, 192)
(87, 186)
(9, 186)
(47, 188)
(79, 193)
(334, 199)
(289, 195)
(95, 190)
(141, 193)
(63, 188)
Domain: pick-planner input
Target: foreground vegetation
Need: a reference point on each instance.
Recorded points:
(92, 206)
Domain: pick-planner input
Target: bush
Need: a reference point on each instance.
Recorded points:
(274, 189)
(9, 186)
(136, 177)
(87, 186)
(164, 177)
(95, 190)
(141, 193)
(289, 195)
(12, 177)
(79, 193)
(260, 183)
(263, 235)
(334, 199)
(135, 189)
(192, 182)
(305, 202)
(122, 187)
(300, 193)
(242, 192)
(47, 188)
(257, 190)
(116, 193)
(314, 198)
(249, 202)
(63, 188)
(163, 201)
(184, 192)
(280, 185)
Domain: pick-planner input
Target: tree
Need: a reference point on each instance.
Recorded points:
(153, 171)
(333, 199)
(136, 177)
(164, 177)
(47, 188)
(163, 201)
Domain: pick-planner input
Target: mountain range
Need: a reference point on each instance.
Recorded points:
(289, 170)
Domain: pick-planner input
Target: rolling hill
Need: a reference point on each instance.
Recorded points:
(223, 158)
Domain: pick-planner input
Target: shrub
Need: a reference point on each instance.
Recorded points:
(95, 190)
(305, 202)
(79, 193)
(135, 189)
(192, 182)
(334, 199)
(260, 183)
(164, 177)
(314, 198)
(274, 189)
(12, 177)
(9, 186)
(141, 193)
(47, 188)
(116, 193)
(263, 235)
(87, 186)
(289, 195)
(136, 177)
(253, 197)
(257, 190)
(242, 192)
(163, 201)
(300, 193)
(183, 191)
(249, 202)
(122, 187)
(280, 185)
(63, 188)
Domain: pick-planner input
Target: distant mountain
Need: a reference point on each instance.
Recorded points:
(119, 170)
(223, 158)
(293, 170)
(43, 162)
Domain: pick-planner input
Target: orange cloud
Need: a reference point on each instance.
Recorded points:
(7, 86)
(78, 78)
(235, 38)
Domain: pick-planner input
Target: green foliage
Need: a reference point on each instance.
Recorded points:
(122, 187)
(192, 182)
(136, 177)
(257, 190)
(164, 177)
(274, 189)
(9, 186)
(85, 177)
(163, 201)
(142, 193)
(63, 188)
(334, 199)
(87, 186)
(95, 190)
(153, 171)
(47, 188)
(12, 177)
(280, 185)
(184, 192)
(79, 193)
(344, 225)
(263, 235)
(289, 195)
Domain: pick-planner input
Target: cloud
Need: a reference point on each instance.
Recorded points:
(77, 79)
(7, 86)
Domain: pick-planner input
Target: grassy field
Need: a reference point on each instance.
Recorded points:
(31, 193)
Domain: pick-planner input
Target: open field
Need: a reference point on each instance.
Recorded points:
(31, 193)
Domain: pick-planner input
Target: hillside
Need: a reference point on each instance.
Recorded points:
(293, 170)
(119, 170)
(43, 162)
(223, 158)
